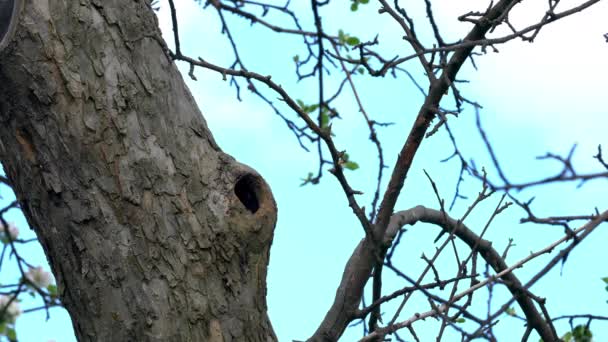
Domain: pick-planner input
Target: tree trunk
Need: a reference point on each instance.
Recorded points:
(153, 233)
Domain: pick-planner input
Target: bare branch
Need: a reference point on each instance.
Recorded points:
(504, 274)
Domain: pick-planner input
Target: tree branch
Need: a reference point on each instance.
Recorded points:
(484, 248)
(426, 114)
(363, 259)
(437, 217)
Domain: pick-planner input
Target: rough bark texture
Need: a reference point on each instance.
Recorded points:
(153, 233)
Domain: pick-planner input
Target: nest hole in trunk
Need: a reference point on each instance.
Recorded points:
(247, 191)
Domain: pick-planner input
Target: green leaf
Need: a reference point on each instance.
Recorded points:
(363, 1)
(511, 311)
(307, 108)
(352, 41)
(580, 333)
(324, 119)
(311, 108)
(351, 165)
(52, 290)
(361, 71)
(341, 36)
(11, 334)
(354, 7)
(605, 279)
(460, 320)
(296, 58)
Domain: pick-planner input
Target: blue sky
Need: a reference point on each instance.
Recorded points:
(537, 98)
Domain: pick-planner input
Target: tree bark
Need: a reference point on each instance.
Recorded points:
(153, 233)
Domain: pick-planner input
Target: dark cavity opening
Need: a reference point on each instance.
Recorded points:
(6, 14)
(246, 191)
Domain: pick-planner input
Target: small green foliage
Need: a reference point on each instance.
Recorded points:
(307, 108)
(11, 334)
(52, 290)
(355, 4)
(580, 333)
(309, 179)
(347, 163)
(511, 311)
(8, 330)
(341, 36)
(325, 115)
(460, 320)
(346, 39)
(351, 165)
(296, 58)
(605, 279)
(324, 119)
(352, 41)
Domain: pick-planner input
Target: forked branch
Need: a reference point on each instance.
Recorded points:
(520, 293)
